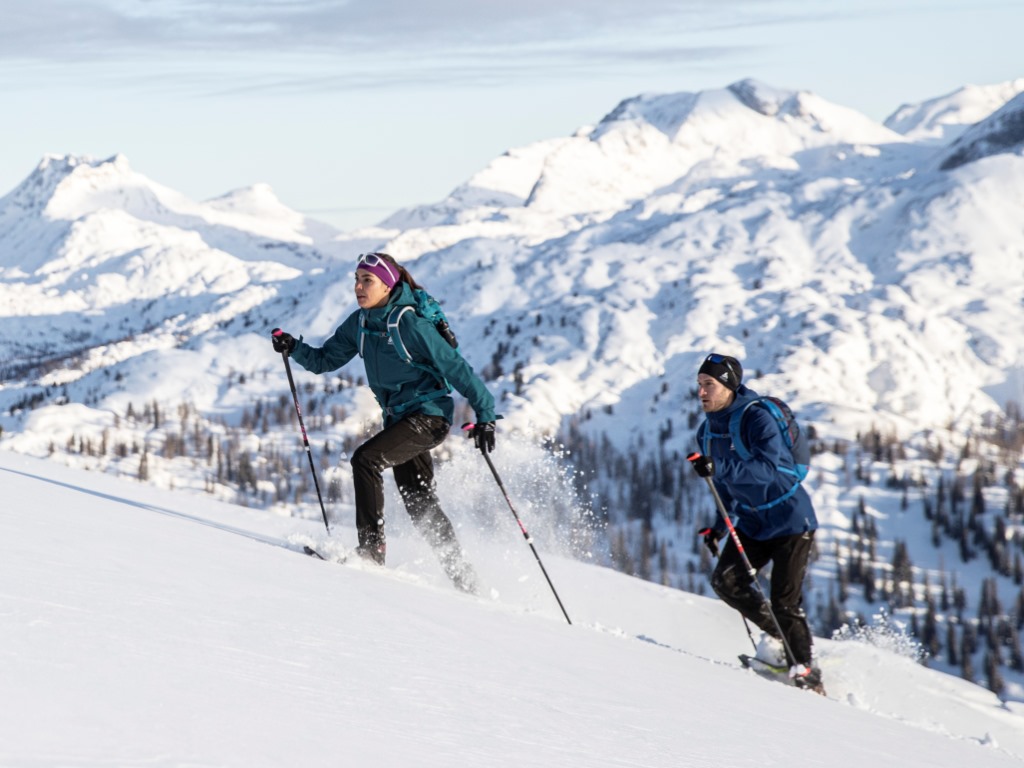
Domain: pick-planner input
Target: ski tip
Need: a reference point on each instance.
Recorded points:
(752, 662)
(328, 557)
(312, 552)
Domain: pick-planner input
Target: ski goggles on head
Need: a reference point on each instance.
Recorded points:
(724, 368)
(377, 265)
(718, 360)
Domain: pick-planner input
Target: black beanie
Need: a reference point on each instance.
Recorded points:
(723, 368)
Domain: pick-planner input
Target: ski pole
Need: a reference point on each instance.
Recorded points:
(705, 467)
(750, 634)
(305, 440)
(529, 539)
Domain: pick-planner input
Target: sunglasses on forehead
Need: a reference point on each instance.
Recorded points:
(377, 260)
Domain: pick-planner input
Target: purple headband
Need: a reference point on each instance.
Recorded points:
(375, 265)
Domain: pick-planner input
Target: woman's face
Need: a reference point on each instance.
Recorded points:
(370, 290)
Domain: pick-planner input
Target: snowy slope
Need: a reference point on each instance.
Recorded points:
(143, 627)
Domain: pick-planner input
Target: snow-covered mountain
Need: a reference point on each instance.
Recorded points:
(818, 246)
(1002, 133)
(873, 275)
(100, 264)
(943, 119)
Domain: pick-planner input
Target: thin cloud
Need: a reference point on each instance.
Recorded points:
(61, 30)
(226, 47)
(479, 68)
(201, 47)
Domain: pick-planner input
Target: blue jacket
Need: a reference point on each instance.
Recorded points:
(400, 388)
(744, 485)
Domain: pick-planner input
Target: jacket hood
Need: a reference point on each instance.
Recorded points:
(402, 296)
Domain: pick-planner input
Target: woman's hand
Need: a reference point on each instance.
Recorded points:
(283, 342)
(483, 436)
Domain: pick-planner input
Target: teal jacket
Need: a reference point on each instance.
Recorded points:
(401, 388)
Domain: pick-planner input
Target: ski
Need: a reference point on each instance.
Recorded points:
(463, 578)
(777, 672)
(321, 555)
(764, 667)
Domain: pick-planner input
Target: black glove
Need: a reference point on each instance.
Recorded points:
(703, 465)
(482, 434)
(283, 342)
(711, 537)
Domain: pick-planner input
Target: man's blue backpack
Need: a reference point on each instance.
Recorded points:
(792, 436)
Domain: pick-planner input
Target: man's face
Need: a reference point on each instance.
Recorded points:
(713, 394)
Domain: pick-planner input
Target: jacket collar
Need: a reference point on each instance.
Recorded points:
(400, 295)
(743, 396)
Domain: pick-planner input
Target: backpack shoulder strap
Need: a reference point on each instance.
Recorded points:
(394, 331)
(736, 430)
(705, 435)
(777, 414)
(798, 473)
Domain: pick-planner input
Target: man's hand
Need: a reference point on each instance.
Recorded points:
(703, 465)
(711, 537)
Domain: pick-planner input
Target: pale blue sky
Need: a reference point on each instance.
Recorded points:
(350, 110)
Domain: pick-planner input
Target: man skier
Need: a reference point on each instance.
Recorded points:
(772, 514)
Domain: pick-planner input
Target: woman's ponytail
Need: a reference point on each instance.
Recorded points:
(403, 273)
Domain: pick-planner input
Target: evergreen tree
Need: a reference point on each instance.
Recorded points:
(993, 676)
(1016, 656)
(930, 631)
(144, 466)
(966, 665)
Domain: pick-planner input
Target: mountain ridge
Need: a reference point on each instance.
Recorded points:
(808, 230)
